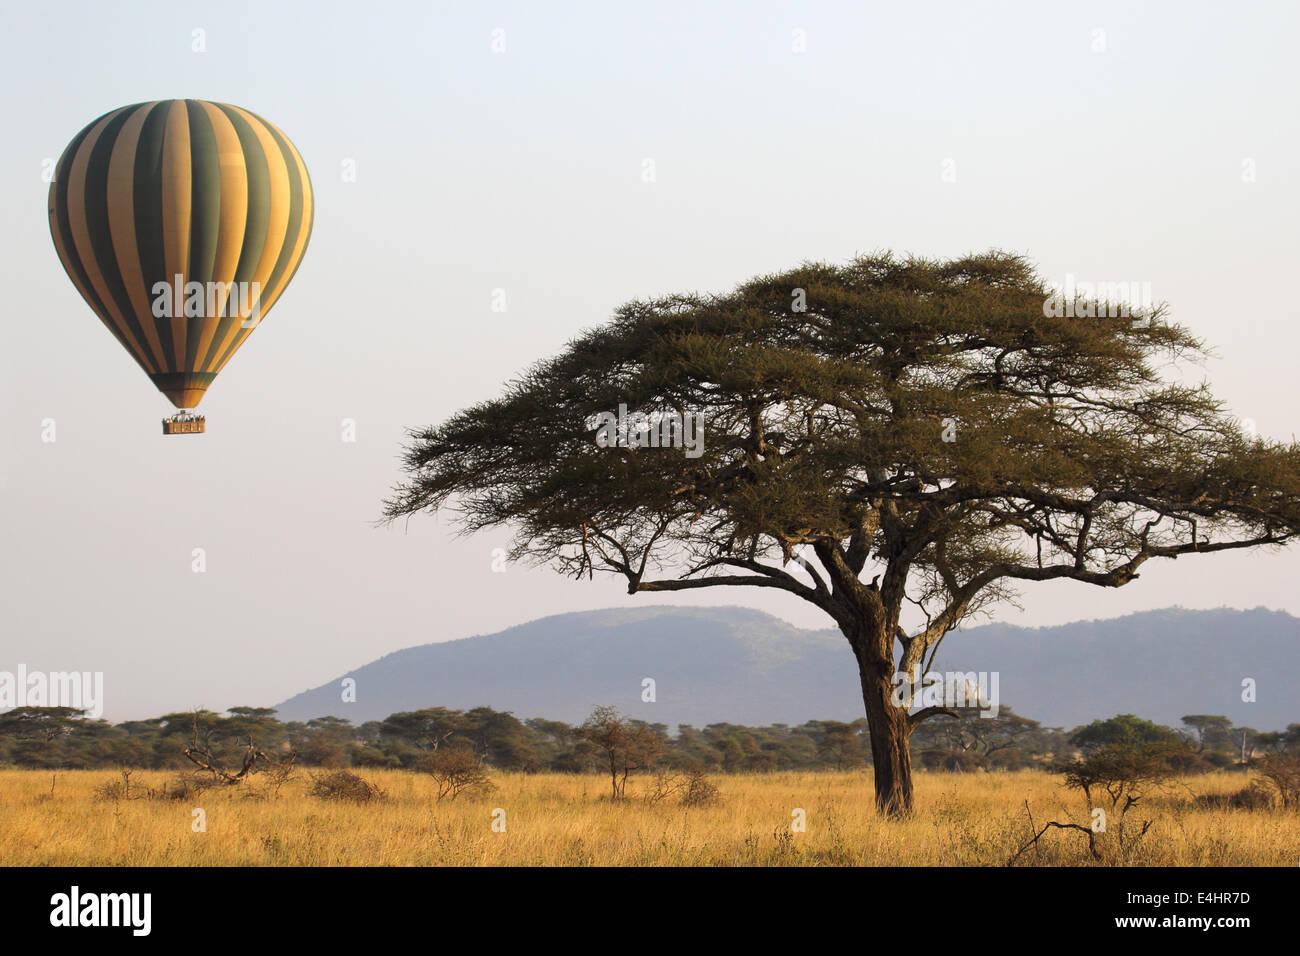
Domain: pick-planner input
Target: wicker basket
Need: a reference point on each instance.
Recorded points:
(192, 426)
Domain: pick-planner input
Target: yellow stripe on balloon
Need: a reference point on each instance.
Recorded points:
(176, 199)
(276, 227)
(85, 248)
(304, 226)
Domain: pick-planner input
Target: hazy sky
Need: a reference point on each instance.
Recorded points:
(1143, 142)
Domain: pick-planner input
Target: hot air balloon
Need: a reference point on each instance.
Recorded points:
(181, 222)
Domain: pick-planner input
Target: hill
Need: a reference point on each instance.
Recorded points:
(737, 665)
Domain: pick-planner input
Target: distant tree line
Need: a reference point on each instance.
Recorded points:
(64, 738)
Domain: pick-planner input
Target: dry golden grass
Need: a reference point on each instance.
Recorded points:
(561, 820)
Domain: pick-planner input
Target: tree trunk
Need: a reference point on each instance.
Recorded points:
(887, 725)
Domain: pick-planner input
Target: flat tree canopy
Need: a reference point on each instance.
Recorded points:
(887, 434)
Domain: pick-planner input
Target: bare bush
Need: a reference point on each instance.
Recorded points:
(116, 789)
(344, 785)
(277, 774)
(662, 786)
(700, 791)
(180, 787)
(692, 788)
(1282, 770)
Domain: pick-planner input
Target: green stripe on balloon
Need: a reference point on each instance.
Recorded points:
(149, 219)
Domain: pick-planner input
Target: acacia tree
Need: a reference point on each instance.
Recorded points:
(624, 744)
(886, 435)
(839, 745)
(982, 737)
(1213, 731)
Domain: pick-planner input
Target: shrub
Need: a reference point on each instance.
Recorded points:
(455, 771)
(1282, 770)
(692, 788)
(344, 785)
(1123, 772)
(1126, 772)
(1257, 796)
(119, 789)
(700, 791)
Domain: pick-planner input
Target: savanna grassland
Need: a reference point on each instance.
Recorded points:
(71, 818)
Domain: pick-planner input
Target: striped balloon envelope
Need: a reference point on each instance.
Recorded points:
(181, 222)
